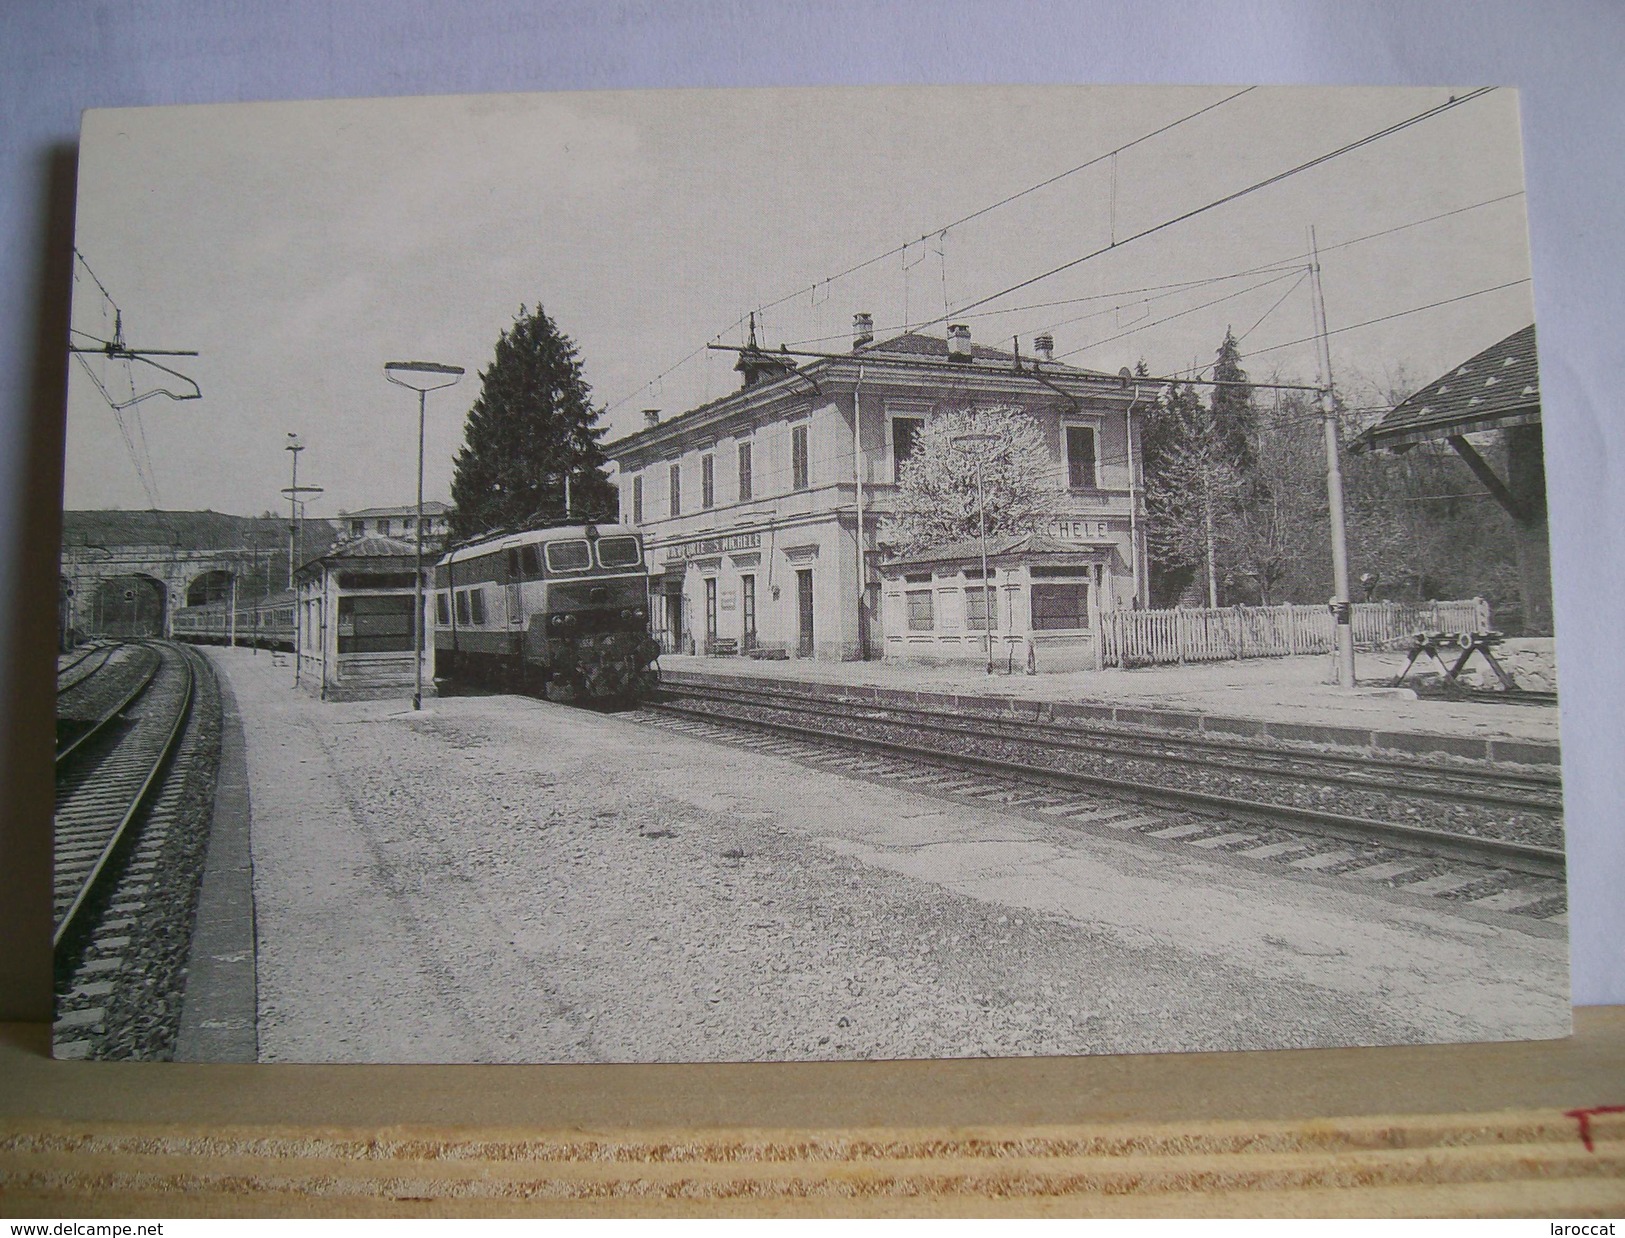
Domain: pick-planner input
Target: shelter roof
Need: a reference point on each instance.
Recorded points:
(368, 548)
(1020, 547)
(1499, 387)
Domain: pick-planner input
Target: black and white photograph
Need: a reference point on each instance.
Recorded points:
(805, 574)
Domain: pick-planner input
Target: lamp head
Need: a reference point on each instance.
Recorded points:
(422, 375)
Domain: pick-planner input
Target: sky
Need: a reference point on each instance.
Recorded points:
(297, 247)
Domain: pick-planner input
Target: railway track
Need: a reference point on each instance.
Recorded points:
(85, 663)
(1518, 869)
(95, 700)
(108, 772)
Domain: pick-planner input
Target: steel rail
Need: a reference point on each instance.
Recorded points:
(135, 803)
(101, 724)
(1119, 742)
(89, 650)
(1518, 857)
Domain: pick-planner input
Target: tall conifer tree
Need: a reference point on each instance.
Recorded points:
(532, 425)
(1235, 420)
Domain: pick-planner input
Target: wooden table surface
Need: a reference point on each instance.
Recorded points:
(1502, 1129)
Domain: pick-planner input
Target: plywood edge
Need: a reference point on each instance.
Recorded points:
(1519, 1162)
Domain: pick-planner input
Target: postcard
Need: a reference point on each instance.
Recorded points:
(805, 574)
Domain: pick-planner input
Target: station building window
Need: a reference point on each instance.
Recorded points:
(1081, 461)
(676, 474)
(905, 435)
(798, 458)
(745, 479)
(375, 624)
(1060, 598)
(708, 481)
(921, 602)
(977, 600)
(637, 500)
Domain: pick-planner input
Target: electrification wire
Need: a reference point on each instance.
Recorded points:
(940, 232)
(1172, 289)
(1255, 187)
(1145, 326)
(1005, 201)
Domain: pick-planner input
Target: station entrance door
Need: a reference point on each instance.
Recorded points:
(804, 599)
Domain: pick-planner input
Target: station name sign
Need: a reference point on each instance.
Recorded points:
(717, 545)
(1069, 529)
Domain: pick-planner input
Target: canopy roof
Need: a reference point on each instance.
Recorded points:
(1498, 388)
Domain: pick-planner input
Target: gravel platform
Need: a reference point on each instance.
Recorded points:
(501, 879)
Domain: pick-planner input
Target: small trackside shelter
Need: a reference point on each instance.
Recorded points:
(1045, 597)
(355, 620)
(1497, 391)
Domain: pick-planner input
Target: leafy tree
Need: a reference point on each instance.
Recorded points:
(936, 492)
(1198, 490)
(532, 426)
(1281, 520)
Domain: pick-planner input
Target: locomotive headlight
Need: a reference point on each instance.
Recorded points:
(626, 614)
(570, 621)
(637, 612)
(558, 620)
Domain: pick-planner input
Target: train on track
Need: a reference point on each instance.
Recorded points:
(565, 609)
(562, 610)
(265, 624)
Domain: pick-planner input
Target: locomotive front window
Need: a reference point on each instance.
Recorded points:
(575, 556)
(442, 610)
(476, 602)
(462, 606)
(618, 552)
(529, 561)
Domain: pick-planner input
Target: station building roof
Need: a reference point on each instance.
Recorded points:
(1498, 388)
(782, 370)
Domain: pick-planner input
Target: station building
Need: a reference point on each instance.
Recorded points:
(762, 512)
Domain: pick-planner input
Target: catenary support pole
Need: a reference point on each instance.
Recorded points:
(1342, 606)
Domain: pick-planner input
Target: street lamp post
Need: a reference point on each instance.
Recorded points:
(421, 377)
(296, 493)
(976, 442)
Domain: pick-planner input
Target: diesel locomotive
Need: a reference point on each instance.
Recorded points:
(561, 610)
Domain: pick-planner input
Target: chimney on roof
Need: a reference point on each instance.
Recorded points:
(958, 342)
(863, 330)
(1044, 346)
(651, 418)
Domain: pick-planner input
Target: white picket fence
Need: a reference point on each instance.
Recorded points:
(1148, 637)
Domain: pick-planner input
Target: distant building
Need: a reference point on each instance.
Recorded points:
(397, 522)
(761, 510)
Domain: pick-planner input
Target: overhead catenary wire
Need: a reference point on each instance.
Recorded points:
(1255, 187)
(940, 232)
(1281, 265)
